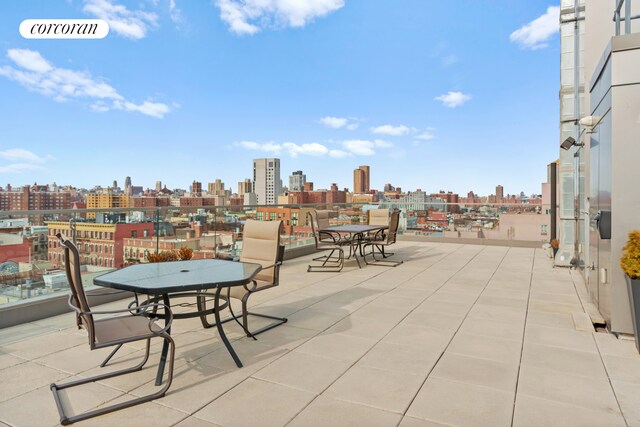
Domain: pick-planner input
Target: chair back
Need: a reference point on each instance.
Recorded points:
(378, 216)
(261, 245)
(78, 300)
(313, 219)
(393, 226)
(323, 219)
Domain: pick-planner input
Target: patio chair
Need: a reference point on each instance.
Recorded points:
(376, 217)
(381, 245)
(325, 241)
(107, 332)
(261, 245)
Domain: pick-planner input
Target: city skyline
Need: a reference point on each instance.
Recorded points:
(183, 91)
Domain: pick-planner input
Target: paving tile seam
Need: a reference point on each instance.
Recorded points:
(466, 383)
(572, 405)
(369, 406)
(524, 334)
(613, 390)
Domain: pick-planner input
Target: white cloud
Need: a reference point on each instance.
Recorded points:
(312, 149)
(349, 123)
(453, 99)
(391, 130)
(334, 122)
(29, 60)
(21, 160)
(382, 144)
(61, 84)
(349, 148)
(250, 16)
(426, 135)
(175, 13)
(360, 147)
(133, 24)
(536, 33)
(339, 154)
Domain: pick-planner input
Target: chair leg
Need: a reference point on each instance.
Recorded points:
(384, 262)
(66, 420)
(113, 352)
(339, 264)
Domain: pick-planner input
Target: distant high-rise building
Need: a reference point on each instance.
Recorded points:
(499, 192)
(107, 199)
(296, 181)
(361, 180)
(115, 184)
(127, 182)
(196, 188)
(216, 188)
(33, 198)
(266, 180)
(245, 186)
(158, 185)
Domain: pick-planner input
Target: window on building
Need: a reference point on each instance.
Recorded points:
(145, 233)
(543, 229)
(134, 233)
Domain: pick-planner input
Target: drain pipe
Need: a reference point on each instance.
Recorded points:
(576, 113)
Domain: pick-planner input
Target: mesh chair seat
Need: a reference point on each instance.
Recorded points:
(126, 328)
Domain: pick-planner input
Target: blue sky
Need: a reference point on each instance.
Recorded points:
(455, 96)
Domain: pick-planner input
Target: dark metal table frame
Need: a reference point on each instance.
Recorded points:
(356, 234)
(179, 279)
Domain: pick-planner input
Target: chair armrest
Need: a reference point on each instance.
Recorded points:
(125, 310)
(330, 234)
(253, 288)
(168, 322)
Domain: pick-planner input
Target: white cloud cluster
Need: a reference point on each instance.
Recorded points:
(133, 24)
(37, 74)
(175, 13)
(536, 33)
(426, 135)
(250, 16)
(453, 99)
(391, 130)
(21, 160)
(340, 122)
(354, 147)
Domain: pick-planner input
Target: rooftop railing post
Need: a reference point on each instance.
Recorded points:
(157, 230)
(627, 17)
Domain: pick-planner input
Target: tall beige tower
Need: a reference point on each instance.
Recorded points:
(266, 180)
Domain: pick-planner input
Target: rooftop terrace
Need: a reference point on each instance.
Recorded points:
(457, 335)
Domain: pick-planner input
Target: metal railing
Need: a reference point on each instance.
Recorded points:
(627, 16)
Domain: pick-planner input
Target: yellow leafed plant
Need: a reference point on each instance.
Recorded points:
(183, 254)
(630, 261)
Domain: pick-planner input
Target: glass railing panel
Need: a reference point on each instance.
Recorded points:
(31, 258)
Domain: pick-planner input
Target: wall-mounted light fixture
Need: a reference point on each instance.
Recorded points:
(570, 142)
(589, 123)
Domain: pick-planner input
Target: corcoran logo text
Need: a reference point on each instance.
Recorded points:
(64, 29)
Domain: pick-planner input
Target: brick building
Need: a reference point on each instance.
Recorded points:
(98, 244)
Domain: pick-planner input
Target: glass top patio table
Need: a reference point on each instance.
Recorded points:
(356, 233)
(180, 279)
